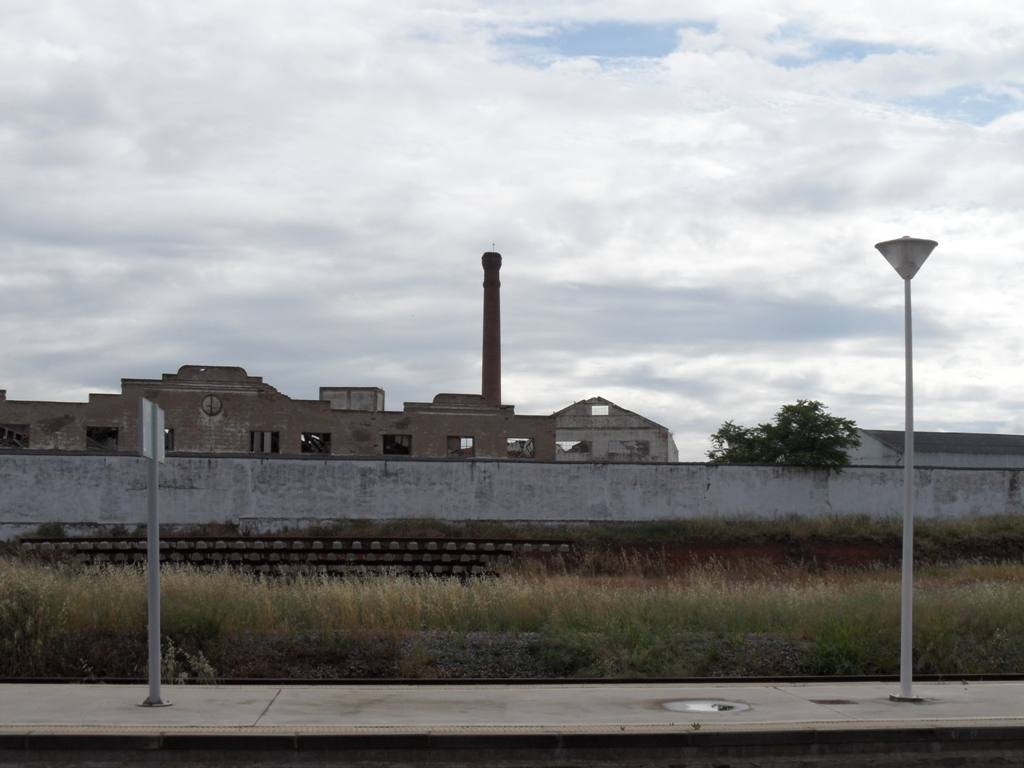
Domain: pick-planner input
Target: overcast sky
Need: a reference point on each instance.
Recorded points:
(686, 196)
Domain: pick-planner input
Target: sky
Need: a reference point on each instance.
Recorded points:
(686, 197)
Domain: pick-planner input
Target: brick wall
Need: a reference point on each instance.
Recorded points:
(245, 404)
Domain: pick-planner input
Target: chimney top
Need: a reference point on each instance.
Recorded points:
(491, 260)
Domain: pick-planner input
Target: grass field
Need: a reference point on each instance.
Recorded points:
(642, 620)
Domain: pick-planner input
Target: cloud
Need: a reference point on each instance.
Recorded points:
(687, 220)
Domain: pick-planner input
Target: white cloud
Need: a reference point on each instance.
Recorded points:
(305, 189)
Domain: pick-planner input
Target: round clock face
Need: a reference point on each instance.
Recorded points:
(212, 405)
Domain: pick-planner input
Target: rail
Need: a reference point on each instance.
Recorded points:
(441, 556)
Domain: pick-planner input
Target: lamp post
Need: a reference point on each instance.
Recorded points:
(906, 255)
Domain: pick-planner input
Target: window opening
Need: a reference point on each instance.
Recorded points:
(460, 447)
(265, 442)
(520, 447)
(573, 446)
(168, 439)
(599, 410)
(13, 435)
(631, 450)
(397, 445)
(315, 442)
(101, 438)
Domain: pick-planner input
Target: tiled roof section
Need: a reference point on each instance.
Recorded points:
(951, 442)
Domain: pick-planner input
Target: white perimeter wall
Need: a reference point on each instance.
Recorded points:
(264, 493)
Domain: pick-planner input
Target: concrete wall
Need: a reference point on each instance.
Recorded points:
(969, 460)
(874, 453)
(268, 492)
(354, 398)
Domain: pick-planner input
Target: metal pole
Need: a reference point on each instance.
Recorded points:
(153, 554)
(907, 581)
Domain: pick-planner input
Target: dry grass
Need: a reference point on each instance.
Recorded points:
(53, 619)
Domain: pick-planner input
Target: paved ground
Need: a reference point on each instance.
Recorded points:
(819, 718)
(482, 709)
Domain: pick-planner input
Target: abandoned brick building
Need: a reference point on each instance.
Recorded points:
(222, 409)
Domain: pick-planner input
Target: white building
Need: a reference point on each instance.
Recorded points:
(884, 447)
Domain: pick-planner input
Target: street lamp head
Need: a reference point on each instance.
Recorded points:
(906, 254)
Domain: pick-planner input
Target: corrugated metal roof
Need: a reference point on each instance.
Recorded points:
(951, 442)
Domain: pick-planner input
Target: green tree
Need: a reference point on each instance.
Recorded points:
(802, 434)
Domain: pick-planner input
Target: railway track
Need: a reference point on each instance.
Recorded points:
(422, 556)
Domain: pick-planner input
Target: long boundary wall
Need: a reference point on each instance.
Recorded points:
(89, 489)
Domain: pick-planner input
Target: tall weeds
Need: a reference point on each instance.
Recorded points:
(704, 620)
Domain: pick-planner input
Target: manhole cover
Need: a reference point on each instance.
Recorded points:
(705, 706)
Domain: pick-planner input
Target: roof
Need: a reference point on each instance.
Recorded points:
(951, 442)
(604, 401)
(217, 377)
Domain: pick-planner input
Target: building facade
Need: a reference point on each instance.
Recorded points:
(222, 409)
(597, 429)
(884, 447)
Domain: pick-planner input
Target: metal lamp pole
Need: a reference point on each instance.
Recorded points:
(906, 255)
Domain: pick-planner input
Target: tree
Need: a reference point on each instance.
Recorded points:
(802, 434)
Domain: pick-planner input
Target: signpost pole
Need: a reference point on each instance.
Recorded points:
(151, 427)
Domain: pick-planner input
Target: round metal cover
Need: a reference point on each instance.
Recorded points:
(705, 706)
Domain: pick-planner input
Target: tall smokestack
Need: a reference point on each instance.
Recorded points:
(491, 379)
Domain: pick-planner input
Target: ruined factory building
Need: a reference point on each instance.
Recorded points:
(222, 409)
(599, 430)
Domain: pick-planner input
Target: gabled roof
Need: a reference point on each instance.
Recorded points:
(588, 401)
(951, 442)
(603, 401)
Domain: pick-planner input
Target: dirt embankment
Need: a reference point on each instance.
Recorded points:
(818, 553)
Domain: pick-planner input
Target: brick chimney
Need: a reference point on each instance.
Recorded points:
(491, 379)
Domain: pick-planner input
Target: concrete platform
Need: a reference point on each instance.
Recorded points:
(824, 724)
